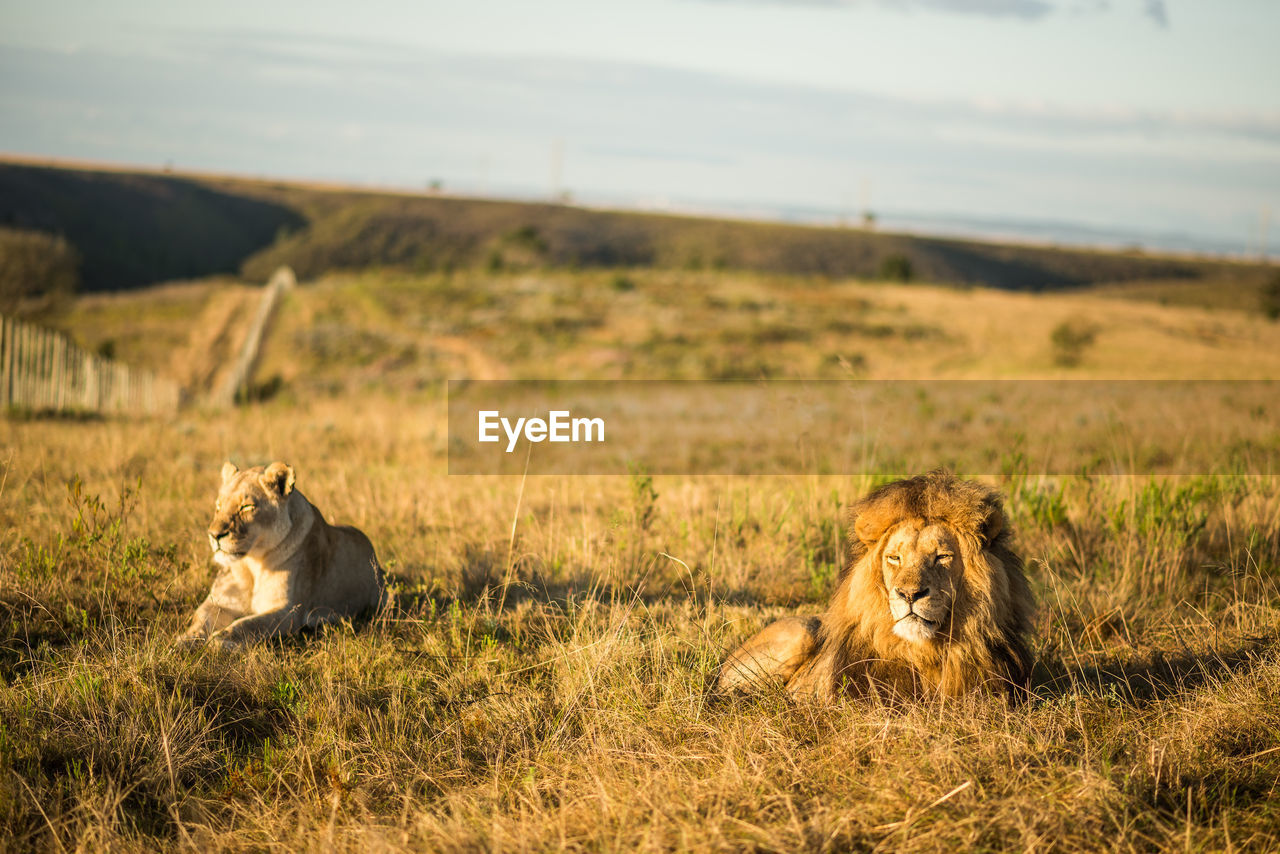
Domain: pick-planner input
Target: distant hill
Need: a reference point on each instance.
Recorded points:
(138, 229)
(134, 229)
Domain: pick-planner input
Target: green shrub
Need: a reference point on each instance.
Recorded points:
(1070, 339)
(896, 268)
(39, 272)
(1271, 297)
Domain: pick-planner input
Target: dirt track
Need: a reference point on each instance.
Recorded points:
(478, 365)
(216, 337)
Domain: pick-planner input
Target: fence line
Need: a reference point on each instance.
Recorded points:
(238, 380)
(42, 370)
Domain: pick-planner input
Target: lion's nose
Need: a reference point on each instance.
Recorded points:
(911, 594)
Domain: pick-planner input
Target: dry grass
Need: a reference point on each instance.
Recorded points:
(389, 330)
(576, 717)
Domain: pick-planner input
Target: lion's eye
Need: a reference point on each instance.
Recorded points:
(246, 508)
(944, 559)
(893, 559)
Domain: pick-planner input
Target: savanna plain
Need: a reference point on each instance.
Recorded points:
(541, 681)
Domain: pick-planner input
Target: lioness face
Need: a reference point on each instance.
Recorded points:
(252, 511)
(920, 566)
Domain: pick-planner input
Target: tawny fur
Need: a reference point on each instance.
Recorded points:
(935, 548)
(282, 566)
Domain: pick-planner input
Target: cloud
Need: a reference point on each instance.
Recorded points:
(1026, 10)
(268, 103)
(1155, 10)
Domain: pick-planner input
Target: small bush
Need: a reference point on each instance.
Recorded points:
(39, 272)
(1271, 297)
(644, 498)
(259, 392)
(896, 268)
(526, 237)
(1070, 339)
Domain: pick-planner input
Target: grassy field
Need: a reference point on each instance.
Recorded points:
(394, 331)
(576, 717)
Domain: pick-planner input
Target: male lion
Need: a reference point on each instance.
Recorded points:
(283, 566)
(933, 601)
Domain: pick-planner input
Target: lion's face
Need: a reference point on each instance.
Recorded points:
(252, 511)
(920, 565)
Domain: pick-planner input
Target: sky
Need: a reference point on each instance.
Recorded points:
(1119, 120)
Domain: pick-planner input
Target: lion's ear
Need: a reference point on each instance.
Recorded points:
(994, 521)
(278, 478)
(228, 471)
(874, 515)
(865, 528)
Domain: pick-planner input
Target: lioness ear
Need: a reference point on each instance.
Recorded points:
(228, 471)
(278, 478)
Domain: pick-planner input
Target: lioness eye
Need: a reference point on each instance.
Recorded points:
(892, 558)
(246, 508)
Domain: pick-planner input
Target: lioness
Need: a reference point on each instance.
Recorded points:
(283, 566)
(933, 601)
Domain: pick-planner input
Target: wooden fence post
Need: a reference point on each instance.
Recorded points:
(6, 355)
(42, 370)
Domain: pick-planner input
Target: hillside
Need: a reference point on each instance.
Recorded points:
(134, 229)
(138, 229)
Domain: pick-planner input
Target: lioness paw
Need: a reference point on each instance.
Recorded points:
(224, 642)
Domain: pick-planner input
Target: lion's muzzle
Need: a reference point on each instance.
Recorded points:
(223, 543)
(916, 613)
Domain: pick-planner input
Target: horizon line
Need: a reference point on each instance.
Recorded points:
(766, 212)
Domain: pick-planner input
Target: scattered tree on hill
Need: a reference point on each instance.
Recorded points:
(39, 273)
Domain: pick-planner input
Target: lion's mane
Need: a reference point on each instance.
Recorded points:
(853, 648)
